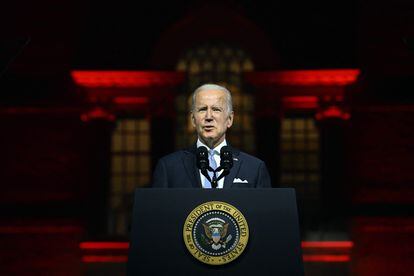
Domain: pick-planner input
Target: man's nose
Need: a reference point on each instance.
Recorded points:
(209, 115)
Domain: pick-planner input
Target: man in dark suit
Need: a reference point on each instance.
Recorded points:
(211, 115)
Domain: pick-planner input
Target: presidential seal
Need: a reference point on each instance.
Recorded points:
(215, 233)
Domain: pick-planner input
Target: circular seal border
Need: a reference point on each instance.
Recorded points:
(211, 206)
(233, 221)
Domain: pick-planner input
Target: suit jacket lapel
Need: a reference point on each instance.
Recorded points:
(191, 167)
(228, 180)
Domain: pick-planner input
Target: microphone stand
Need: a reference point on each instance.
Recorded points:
(215, 180)
(203, 165)
(205, 173)
(225, 172)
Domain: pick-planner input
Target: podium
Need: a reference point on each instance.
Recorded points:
(180, 232)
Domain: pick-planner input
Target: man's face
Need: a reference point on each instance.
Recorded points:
(210, 117)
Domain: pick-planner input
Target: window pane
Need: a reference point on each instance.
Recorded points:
(116, 164)
(313, 161)
(286, 136)
(130, 145)
(181, 66)
(299, 161)
(144, 142)
(116, 143)
(144, 164)
(131, 184)
(314, 177)
(286, 146)
(287, 124)
(194, 67)
(208, 66)
(313, 136)
(129, 125)
(236, 101)
(300, 155)
(286, 161)
(248, 66)
(143, 125)
(299, 177)
(299, 124)
(299, 135)
(121, 223)
(181, 103)
(115, 202)
(313, 146)
(247, 122)
(249, 139)
(143, 180)
(299, 145)
(248, 103)
(287, 178)
(120, 125)
(235, 66)
(116, 184)
(130, 164)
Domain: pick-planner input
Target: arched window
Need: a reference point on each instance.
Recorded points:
(224, 65)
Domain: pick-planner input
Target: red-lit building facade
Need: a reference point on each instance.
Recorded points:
(338, 135)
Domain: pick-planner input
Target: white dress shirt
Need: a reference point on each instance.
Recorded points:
(204, 181)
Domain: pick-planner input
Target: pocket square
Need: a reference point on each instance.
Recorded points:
(238, 180)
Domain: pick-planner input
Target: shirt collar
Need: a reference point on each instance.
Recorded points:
(216, 149)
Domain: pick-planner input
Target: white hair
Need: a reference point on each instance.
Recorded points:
(210, 86)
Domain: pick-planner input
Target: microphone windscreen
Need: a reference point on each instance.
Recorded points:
(202, 158)
(226, 158)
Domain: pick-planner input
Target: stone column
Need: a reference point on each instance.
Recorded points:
(99, 124)
(332, 121)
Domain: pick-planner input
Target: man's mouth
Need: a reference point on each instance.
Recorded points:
(208, 127)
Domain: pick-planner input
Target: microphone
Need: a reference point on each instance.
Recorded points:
(202, 158)
(226, 161)
(202, 161)
(226, 158)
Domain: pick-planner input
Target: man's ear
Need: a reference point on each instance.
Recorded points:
(230, 119)
(192, 119)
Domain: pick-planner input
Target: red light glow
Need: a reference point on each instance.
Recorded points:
(300, 102)
(306, 245)
(104, 245)
(97, 113)
(327, 244)
(326, 258)
(104, 259)
(130, 100)
(126, 79)
(124, 258)
(332, 112)
(328, 77)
